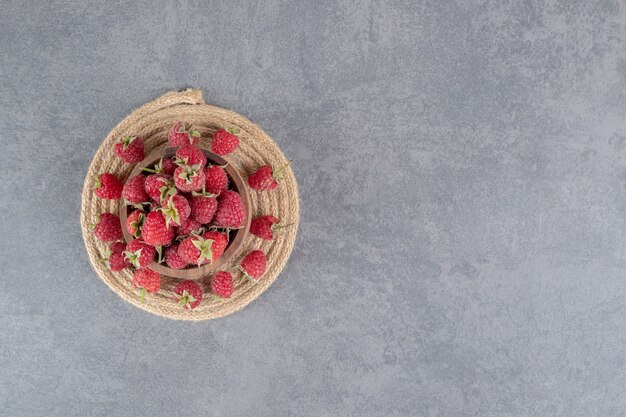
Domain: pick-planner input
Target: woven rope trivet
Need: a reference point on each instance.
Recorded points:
(151, 122)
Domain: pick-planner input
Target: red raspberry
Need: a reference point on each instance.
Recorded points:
(176, 210)
(190, 155)
(203, 207)
(117, 247)
(187, 178)
(216, 179)
(117, 262)
(265, 178)
(159, 187)
(188, 294)
(164, 166)
(222, 284)
(139, 254)
(224, 142)
(188, 226)
(230, 212)
(182, 133)
(108, 228)
(155, 230)
(254, 264)
(167, 166)
(199, 250)
(130, 149)
(220, 241)
(107, 186)
(266, 227)
(195, 250)
(173, 259)
(134, 190)
(147, 280)
(115, 256)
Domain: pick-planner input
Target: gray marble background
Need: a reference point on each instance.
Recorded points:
(462, 168)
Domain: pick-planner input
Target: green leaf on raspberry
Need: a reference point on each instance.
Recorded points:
(182, 128)
(142, 292)
(203, 193)
(278, 173)
(180, 162)
(188, 174)
(159, 250)
(166, 191)
(127, 140)
(158, 167)
(186, 299)
(133, 257)
(245, 276)
(170, 212)
(205, 248)
(106, 255)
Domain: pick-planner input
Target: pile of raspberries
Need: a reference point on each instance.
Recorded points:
(182, 212)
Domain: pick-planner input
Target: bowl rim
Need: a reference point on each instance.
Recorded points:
(236, 236)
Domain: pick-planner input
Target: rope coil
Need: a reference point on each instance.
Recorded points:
(151, 122)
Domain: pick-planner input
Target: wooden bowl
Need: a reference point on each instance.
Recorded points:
(236, 236)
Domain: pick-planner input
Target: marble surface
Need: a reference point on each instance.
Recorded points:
(463, 179)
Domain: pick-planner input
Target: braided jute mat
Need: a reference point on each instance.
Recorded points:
(151, 122)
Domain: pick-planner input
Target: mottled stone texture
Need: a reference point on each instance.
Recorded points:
(462, 169)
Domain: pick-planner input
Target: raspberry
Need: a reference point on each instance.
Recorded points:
(222, 284)
(107, 186)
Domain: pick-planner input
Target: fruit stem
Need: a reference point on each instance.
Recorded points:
(246, 277)
(277, 173)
